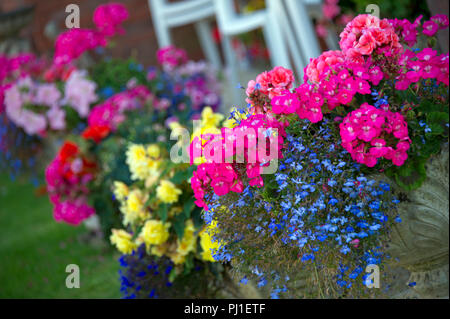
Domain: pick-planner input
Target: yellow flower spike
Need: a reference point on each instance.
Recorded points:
(167, 192)
(122, 240)
(155, 232)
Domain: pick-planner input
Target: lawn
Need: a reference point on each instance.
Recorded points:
(35, 250)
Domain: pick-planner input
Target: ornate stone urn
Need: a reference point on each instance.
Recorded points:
(420, 242)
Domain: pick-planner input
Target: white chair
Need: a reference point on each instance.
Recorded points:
(287, 29)
(232, 24)
(167, 15)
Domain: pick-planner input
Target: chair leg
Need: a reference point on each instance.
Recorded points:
(303, 29)
(274, 37)
(231, 63)
(207, 43)
(161, 29)
(292, 44)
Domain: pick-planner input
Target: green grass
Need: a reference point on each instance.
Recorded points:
(35, 250)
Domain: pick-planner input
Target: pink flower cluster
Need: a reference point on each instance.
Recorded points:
(111, 112)
(16, 67)
(369, 133)
(79, 92)
(171, 57)
(367, 34)
(200, 83)
(406, 30)
(318, 65)
(331, 9)
(331, 15)
(67, 177)
(37, 107)
(234, 155)
(108, 18)
(437, 22)
(425, 64)
(266, 87)
(34, 107)
(336, 82)
(73, 43)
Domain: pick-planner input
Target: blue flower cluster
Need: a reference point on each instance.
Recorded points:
(18, 151)
(320, 205)
(379, 100)
(144, 276)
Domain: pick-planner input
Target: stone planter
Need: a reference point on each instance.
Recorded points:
(421, 240)
(419, 246)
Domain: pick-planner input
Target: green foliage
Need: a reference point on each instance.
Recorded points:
(35, 250)
(115, 73)
(400, 9)
(428, 130)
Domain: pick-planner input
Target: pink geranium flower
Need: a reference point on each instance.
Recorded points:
(430, 28)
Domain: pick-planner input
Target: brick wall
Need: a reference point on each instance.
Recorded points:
(139, 40)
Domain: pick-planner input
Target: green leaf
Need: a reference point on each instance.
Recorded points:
(188, 264)
(173, 275)
(188, 206)
(179, 224)
(412, 174)
(197, 217)
(436, 129)
(428, 107)
(437, 117)
(432, 146)
(162, 212)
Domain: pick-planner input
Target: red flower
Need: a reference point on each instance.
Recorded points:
(96, 132)
(68, 150)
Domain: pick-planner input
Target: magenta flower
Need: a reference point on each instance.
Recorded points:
(430, 28)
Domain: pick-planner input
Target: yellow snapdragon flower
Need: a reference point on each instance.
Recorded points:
(153, 151)
(177, 258)
(167, 192)
(155, 232)
(187, 243)
(122, 240)
(143, 162)
(209, 118)
(207, 243)
(133, 208)
(159, 250)
(120, 190)
(229, 123)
